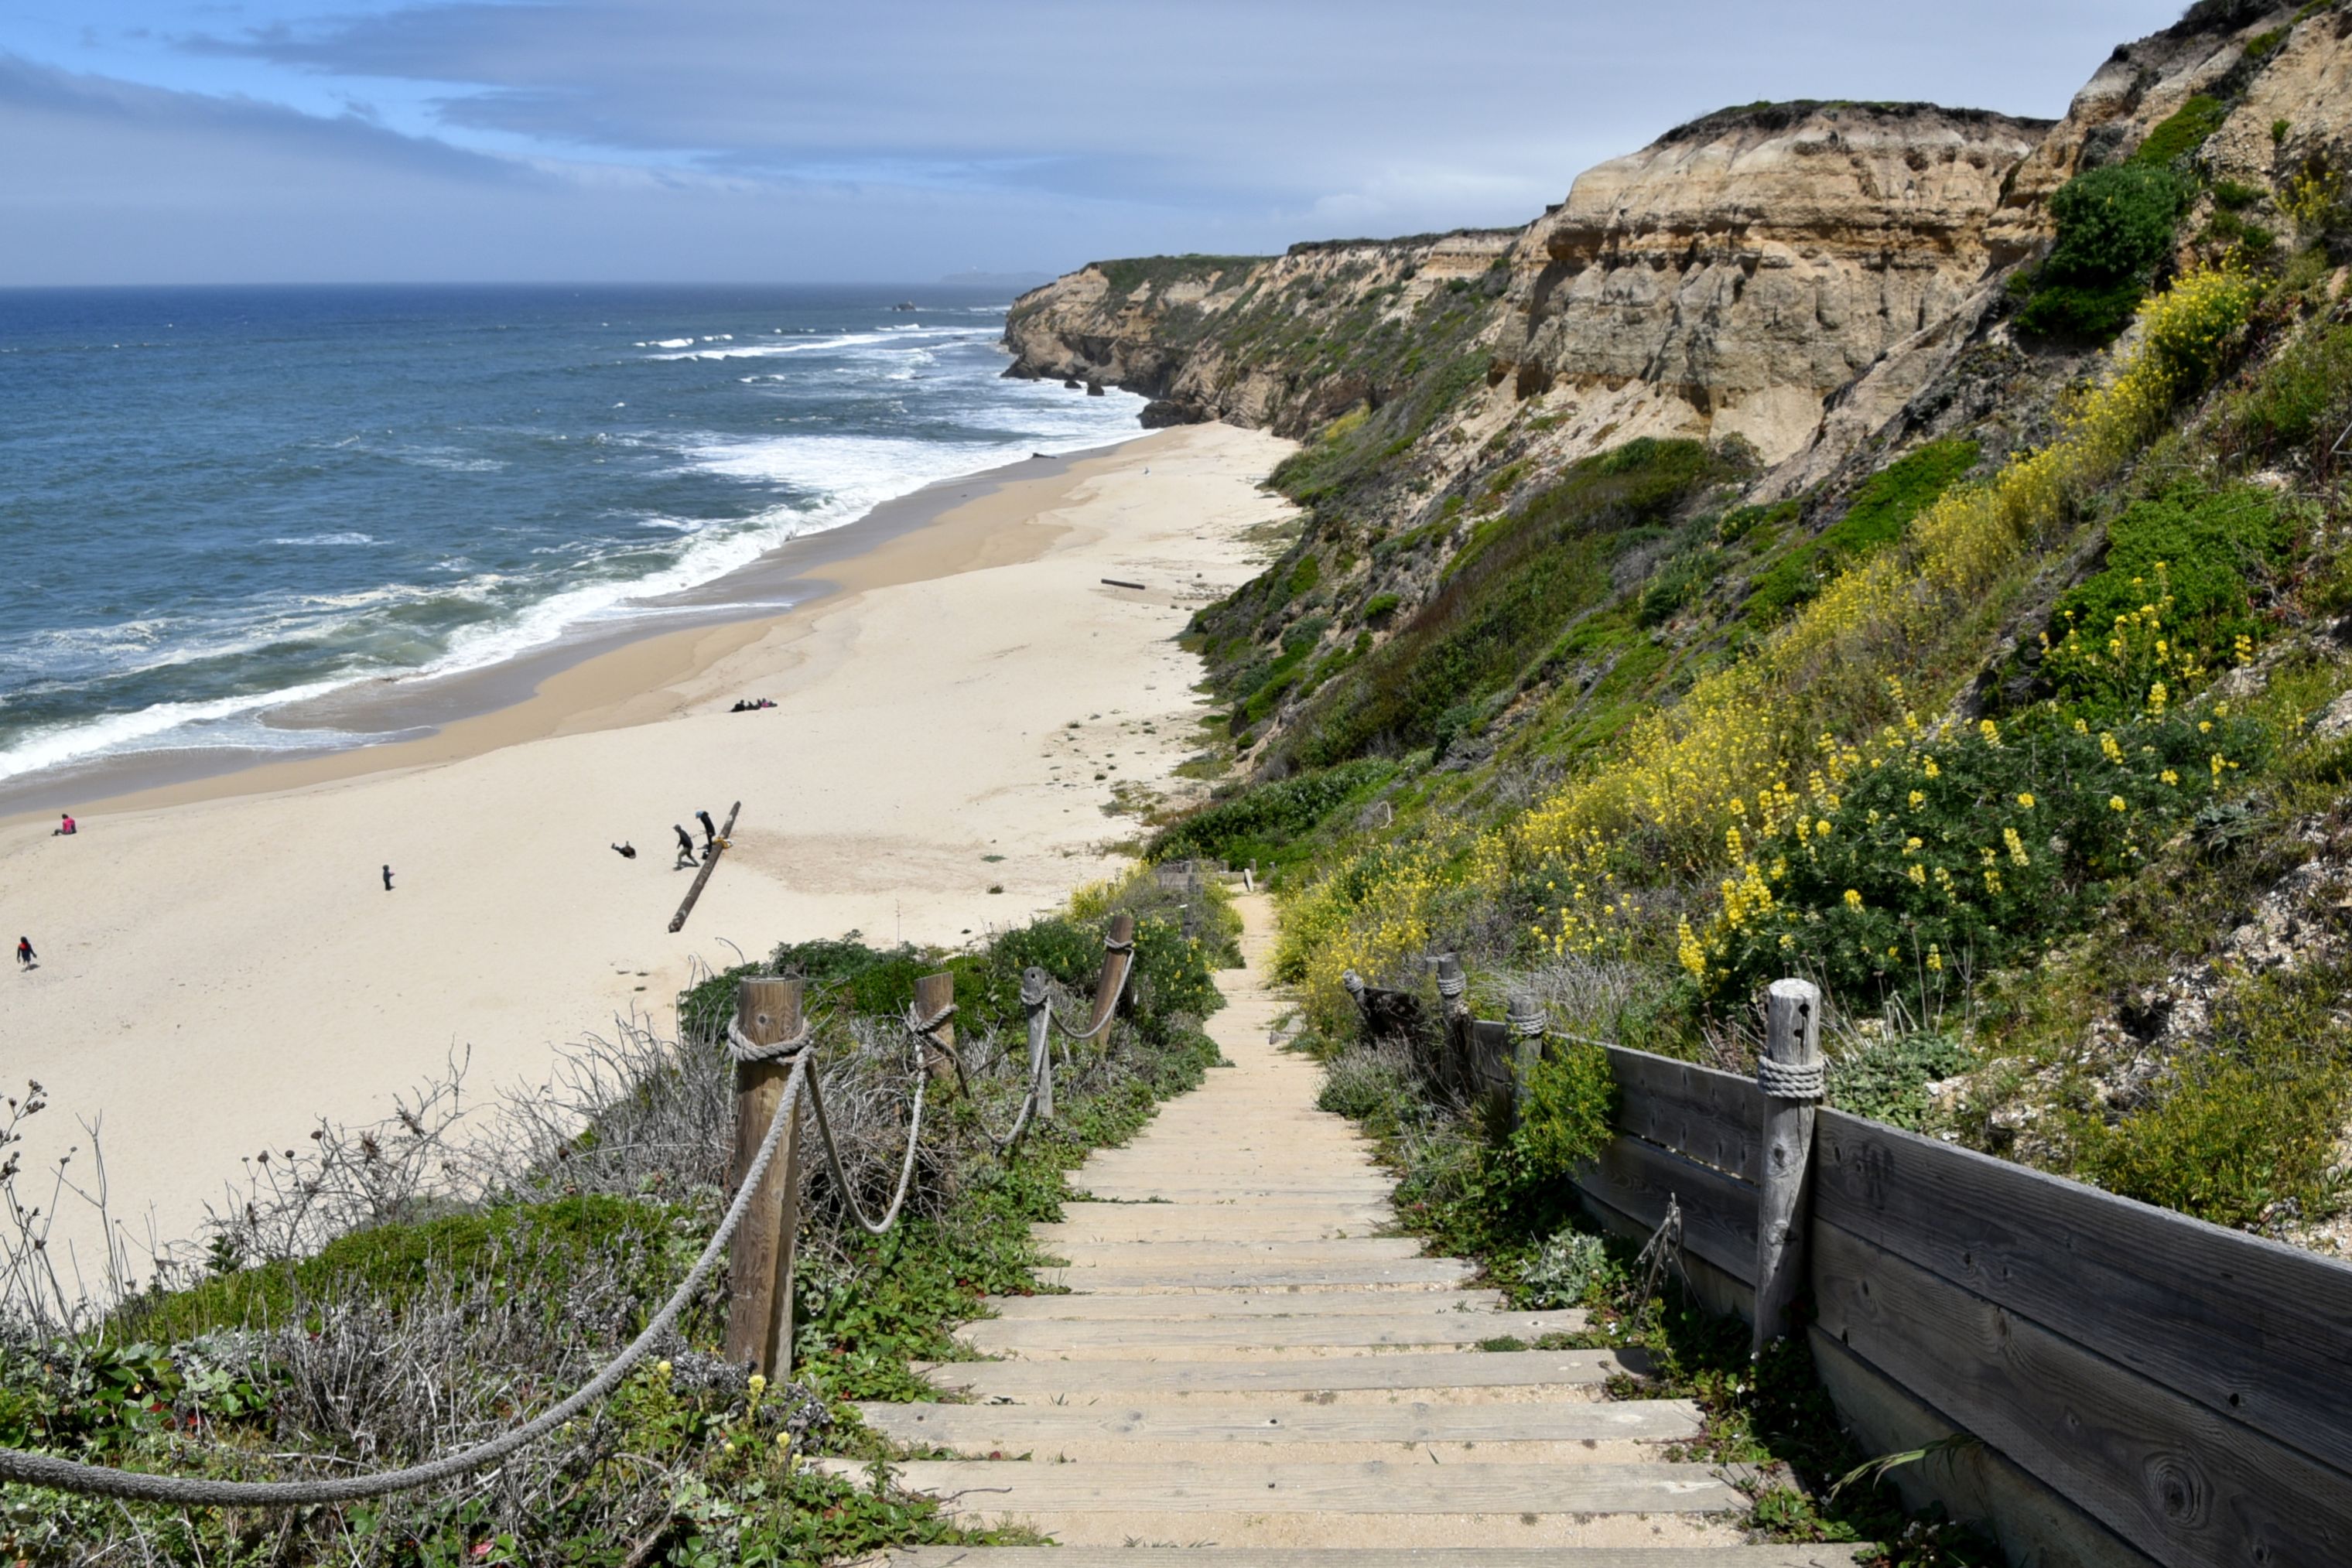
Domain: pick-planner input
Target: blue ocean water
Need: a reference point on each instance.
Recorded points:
(214, 501)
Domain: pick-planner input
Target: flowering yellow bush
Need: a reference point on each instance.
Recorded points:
(1742, 759)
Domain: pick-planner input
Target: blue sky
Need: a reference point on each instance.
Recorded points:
(169, 141)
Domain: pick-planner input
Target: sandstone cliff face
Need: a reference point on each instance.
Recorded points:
(1286, 341)
(1731, 275)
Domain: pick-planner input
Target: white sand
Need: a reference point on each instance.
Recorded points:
(220, 969)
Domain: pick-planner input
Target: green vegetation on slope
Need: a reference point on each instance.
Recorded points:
(402, 1340)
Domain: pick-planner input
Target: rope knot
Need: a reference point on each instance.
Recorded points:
(1036, 988)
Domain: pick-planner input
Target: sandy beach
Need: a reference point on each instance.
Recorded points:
(220, 965)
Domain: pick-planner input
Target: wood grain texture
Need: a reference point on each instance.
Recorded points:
(760, 1257)
(989, 1487)
(2184, 1485)
(2258, 1332)
(1712, 1117)
(1635, 1178)
(1004, 1337)
(1242, 1304)
(1975, 1484)
(1014, 1427)
(1436, 1369)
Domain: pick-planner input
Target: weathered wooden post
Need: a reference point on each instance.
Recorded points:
(1118, 955)
(1454, 1070)
(1037, 996)
(1526, 1017)
(760, 1259)
(935, 999)
(1791, 1074)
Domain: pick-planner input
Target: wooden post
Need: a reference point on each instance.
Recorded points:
(1038, 996)
(1118, 956)
(1454, 1067)
(760, 1259)
(1790, 1073)
(932, 993)
(1526, 1017)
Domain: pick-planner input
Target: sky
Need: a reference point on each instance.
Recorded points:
(752, 140)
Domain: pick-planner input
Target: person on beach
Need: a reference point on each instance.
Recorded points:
(709, 831)
(65, 828)
(387, 878)
(685, 848)
(24, 952)
(626, 850)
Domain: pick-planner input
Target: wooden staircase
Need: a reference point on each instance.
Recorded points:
(1248, 1373)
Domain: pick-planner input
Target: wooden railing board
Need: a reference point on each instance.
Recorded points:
(1636, 1178)
(2171, 1477)
(1976, 1484)
(1712, 1117)
(2259, 1332)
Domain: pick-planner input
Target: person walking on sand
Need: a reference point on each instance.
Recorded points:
(24, 952)
(685, 848)
(387, 878)
(709, 831)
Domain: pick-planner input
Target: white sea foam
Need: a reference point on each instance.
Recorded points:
(815, 480)
(166, 726)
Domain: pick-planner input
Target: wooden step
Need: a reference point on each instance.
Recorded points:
(1013, 1427)
(1240, 1250)
(1377, 1557)
(1435, 1370)
(1406, 1272)
(1013, 1487)
(1077, 1339)
(1097, 1307)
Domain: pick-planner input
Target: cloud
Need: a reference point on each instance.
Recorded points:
(785, 138)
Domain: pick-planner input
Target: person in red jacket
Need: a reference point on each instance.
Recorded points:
(65, 829)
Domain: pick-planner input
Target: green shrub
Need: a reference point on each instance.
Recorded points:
(1518, 579)
(1265, 822)
(2170, 604)
(1882, 507)
(1887, 1080)
(2114, 231)
(2229, 1137)
(1566, 1270)
(1568, 1111)
(2183, 132)
(2303, 399)
(1365, 1085)
(1968, 852)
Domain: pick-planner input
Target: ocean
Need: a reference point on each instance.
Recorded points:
(217, 502)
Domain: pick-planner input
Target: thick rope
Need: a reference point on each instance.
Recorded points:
(1110, 1013)
(921, 1031)
(906, 1167)
(1787, 1080)
(742, 1048)
(65, 1475)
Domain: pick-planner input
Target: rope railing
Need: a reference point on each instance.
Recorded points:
(141, 1486)
(791, 1053)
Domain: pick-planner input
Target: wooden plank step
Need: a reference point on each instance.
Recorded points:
(1094, 1306)
(1014, 1487)
(1377, 1557)
(1241, 1249)
(1206, 1223)
(1400, 1272)
(1018, 1426)
(1074, 1339)
(1433, 1370)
